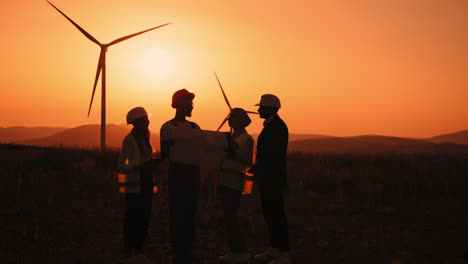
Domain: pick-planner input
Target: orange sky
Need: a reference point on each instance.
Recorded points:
(341, 68)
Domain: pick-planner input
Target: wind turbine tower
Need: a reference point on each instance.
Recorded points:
(102, 68)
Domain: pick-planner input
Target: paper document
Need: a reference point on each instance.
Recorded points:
(193, 146)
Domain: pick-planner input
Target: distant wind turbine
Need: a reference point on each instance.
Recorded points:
(228, 104)
(102, 68)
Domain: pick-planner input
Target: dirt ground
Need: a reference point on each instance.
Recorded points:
(61, 206)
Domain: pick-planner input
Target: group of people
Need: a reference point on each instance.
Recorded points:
(269, 173)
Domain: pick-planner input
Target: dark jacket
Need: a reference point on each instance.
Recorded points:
(270, 165)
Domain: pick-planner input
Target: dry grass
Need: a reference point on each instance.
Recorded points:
(62, 206)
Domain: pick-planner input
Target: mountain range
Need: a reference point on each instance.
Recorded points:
(460, 137)
(18, 133)
(375, 144)
(88, 136)
(85, 136)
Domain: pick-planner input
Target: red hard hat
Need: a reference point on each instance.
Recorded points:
(180, 96)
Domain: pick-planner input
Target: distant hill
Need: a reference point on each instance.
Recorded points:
(294, 137)
(86, 136)
(19, 133)
(372, 144)
(460, 137)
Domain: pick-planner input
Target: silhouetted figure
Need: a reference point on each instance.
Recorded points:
(183, 180)
(270, 175)
(136, 181)
(232, 178)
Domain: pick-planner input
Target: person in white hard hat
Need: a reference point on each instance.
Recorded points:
(270, 175)
(136, 181)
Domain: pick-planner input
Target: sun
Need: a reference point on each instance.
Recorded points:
(156, 62)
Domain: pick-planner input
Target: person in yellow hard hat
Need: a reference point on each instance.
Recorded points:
(136, 181)
(183, 179)
(270, 175)
(232, 178)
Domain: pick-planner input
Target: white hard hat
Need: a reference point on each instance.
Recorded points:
(269, 100)
(135, 113)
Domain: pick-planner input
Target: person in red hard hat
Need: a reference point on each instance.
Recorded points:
(183, 98)
(136, 181)
(183, 180)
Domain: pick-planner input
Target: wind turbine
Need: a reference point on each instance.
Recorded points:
(102, 68)
(228, 104)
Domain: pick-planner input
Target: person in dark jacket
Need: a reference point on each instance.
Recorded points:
(270, 175)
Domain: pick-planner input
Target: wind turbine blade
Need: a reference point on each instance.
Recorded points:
(136, 34)
(222, 90)
(98, 72)
(77, 26)
(251, 112)
(222, 123)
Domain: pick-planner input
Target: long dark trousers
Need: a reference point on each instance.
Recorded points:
(230, 200)
(273, 211)
(138, 214)
(184, 182)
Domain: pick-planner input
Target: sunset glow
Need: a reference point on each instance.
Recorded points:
(340, 67)
(156, 63)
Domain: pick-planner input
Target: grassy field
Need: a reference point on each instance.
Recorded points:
(62, 206)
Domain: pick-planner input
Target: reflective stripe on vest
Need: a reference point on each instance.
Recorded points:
(130, 183)
(232, 172)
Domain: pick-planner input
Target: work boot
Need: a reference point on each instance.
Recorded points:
(268, 255)
(235, 258)
(283, 258)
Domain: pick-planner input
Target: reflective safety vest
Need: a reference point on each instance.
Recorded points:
(130, 183)
(232, 171)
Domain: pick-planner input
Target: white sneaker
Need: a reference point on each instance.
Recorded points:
(268, 255)
(283, 258)
(235, 258)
